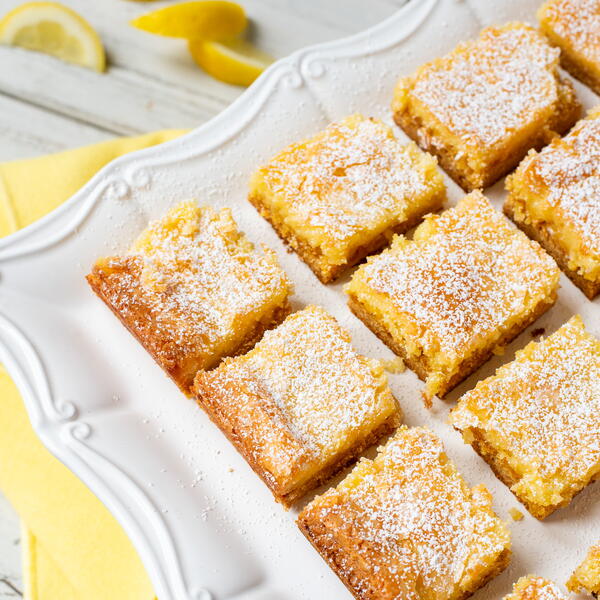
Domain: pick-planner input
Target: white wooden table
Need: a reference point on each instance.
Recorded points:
(151, 83)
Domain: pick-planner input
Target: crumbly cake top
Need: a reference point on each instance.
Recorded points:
(465, 275)
(326, 395)
(544, 407)
(488, 89)
(568, 171)
(535, 588)
(418, 531)
(349, 178)
(201, 275)
(577, 21)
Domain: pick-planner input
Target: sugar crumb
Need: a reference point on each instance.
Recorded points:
(515, 514)
(394, 365)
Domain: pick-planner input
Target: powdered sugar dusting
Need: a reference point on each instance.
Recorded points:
(570, 169)
(325, 395)
(406, 524)
(577, 21)
(535, 588)
(464, 276)
(488, 89)
(327, 391)
(351, 178)
(544, 410)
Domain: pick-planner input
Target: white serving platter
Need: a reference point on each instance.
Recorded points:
(204, 525)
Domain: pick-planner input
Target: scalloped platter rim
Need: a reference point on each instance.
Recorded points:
(204, 525)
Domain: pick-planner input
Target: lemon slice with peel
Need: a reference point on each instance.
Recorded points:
(208, 19)
(237, 61)
(54, 29)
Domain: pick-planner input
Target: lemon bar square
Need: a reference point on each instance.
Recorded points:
(301, 404)
(193, 289)
(537, 420)
(406, 525)
(574, 27)
(586, 576)
(340, 195)
(468, 282)
(535, 588)
(554, 197)
(481, 107)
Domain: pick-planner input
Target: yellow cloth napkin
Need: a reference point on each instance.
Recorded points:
(73, 549)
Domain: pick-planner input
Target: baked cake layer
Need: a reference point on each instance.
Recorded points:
(554, 196)
(586, 576)
(193, 289)
(537, 420)
(574, 27)
(301, 404)
(339, 196)
(535, 588)
(466, 283)
(481, 107)
(405, 525)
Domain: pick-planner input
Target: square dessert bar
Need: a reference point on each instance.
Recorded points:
(554, 197)
(468, 282)
(535, 588)
(192, 289)
(586, 576)
(301, 404)
(340, 195)
(406, 525)
(574, 27)
(480, 108)
(537, 420)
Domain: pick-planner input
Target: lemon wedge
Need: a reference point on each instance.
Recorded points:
(237, 62)
(54, 29)
(209, 20)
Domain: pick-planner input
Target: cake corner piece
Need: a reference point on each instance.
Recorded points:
(364, 528)
(572, 26)
(461, 107)
(184, 267)
(340, 195)
(280, 404)
(545, 450)
(554, 197)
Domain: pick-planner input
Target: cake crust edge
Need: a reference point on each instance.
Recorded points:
(470, 364)
(541, 234)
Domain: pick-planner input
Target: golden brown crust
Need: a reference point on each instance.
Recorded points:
(325, 271)
(316, 534)
(541, 234)
(207, 397)
(469, 365)
(180, 364)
